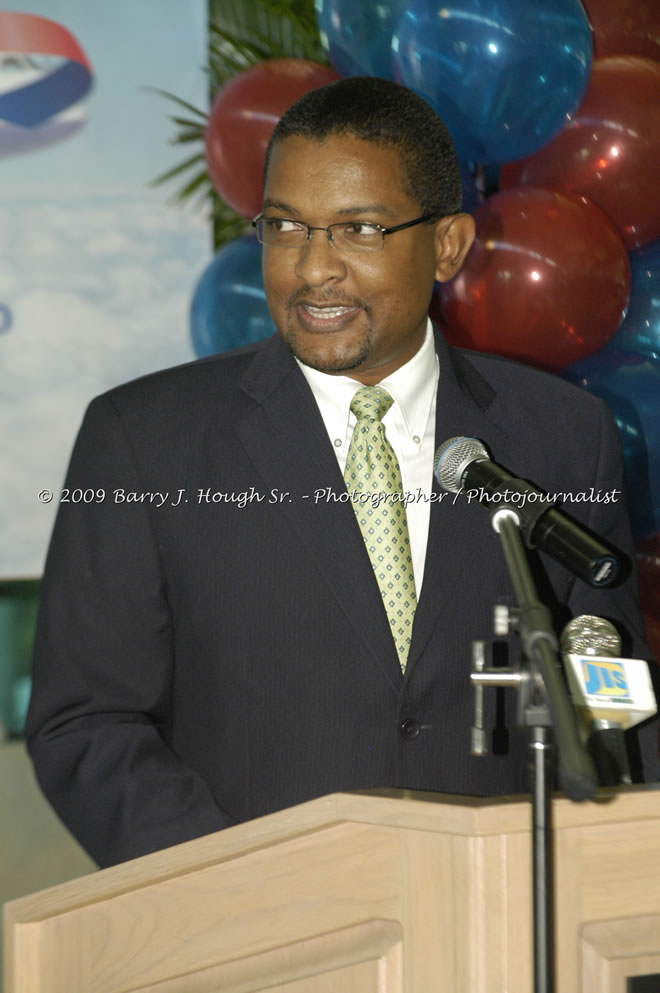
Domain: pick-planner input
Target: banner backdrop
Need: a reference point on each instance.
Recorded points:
(97, 268)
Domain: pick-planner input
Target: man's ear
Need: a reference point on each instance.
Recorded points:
(453, 237)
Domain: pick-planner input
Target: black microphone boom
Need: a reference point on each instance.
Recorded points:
(462, 463)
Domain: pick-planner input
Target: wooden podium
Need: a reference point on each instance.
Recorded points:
(390, 892)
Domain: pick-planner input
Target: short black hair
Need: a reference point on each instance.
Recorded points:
(384, 113)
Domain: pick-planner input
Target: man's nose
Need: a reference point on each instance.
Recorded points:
(318, 259)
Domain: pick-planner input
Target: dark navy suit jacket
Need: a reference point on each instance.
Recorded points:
(226, 654)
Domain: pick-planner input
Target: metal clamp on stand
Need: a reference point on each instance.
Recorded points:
(543, 699)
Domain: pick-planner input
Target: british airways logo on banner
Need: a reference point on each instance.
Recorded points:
(606, 678)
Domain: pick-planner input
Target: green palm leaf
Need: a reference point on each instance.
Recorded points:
(241, 33)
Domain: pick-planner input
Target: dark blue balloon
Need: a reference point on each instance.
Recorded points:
(229, 304)
(471, 195)
(358, 35)
(630, 385)
(640, 331)
(502, 74)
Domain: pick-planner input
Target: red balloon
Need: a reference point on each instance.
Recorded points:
(624, 27)
(610, 149)
(546, 282)
(243, 118)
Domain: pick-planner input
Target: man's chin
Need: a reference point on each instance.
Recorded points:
(330, 367)
(332, 361)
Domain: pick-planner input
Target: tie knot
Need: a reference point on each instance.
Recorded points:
(371, 403)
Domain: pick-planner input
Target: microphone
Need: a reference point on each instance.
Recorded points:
(465, 462)
(611, 694)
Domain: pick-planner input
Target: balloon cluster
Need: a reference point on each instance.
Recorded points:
(229, 304)
(554, 108)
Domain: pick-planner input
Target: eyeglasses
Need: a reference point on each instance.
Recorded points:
(346, 236)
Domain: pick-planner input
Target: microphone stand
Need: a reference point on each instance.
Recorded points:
(545, 708)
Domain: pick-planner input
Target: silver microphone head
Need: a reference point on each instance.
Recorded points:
(590, 635)
(452, 459)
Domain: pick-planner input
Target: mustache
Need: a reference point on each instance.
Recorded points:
(305, 295)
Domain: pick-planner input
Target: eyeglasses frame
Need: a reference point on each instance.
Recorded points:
(310, 227)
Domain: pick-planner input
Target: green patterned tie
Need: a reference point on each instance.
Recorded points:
(372, 473)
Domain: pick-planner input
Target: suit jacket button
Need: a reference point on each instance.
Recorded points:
(410, 728)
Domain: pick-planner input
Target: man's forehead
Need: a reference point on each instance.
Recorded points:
(335, 139)
(345, 157)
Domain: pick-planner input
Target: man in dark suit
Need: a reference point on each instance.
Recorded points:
(213, 643)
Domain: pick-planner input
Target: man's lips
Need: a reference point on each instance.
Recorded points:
(327, 316)
(327, 311)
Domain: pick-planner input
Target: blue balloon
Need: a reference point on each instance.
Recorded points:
(630, 385)
(640, 331)
(471, 195)
(358, 35)
(502, 74)
(229, 303)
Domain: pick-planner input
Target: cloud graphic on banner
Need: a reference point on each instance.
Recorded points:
(90, 312)
(44, 75)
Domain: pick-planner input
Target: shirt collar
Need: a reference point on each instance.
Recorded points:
(412, 387)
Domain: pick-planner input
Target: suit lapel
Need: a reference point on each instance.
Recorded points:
(463, 399)
(285, 438)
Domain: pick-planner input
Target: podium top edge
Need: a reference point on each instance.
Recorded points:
(404, 810)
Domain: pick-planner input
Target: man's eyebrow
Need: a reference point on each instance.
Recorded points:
(279, 205)
(367, 208)
(357, 211)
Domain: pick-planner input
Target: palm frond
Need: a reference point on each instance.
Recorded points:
(241, 33)
(186, 123)
(194, 184)
(182, 103)
(183, 137)
(178, 169)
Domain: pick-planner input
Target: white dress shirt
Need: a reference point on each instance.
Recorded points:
(409, 426)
